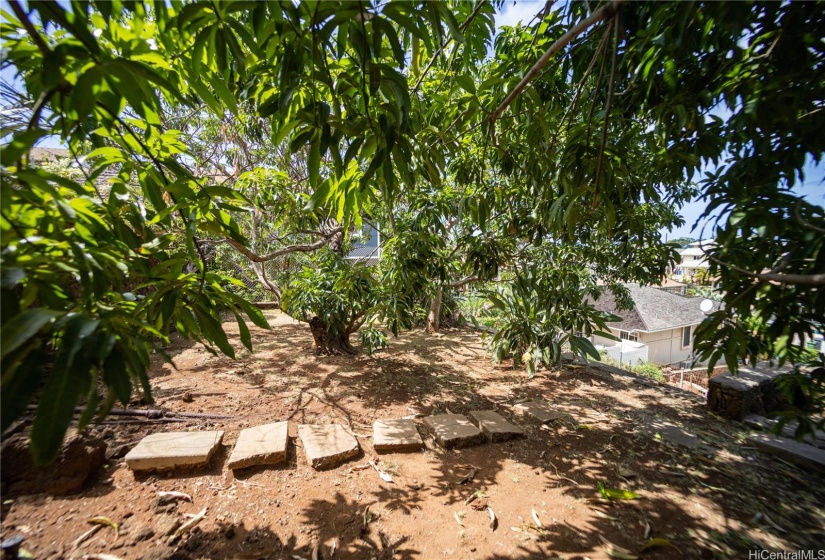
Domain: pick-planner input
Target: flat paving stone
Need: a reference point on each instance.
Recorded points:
(170, 450)
(454, 430)
(396, 435)
(538, 411)
(790, 450)
(494, 426)
(327, 446)
(672, 433)
(260, 445)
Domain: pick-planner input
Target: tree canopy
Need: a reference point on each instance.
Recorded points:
(547, 156)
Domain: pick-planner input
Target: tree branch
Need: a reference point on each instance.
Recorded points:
(607, 105)
(795, 279)
(27, 25)
(437, 53)
(300, 248)
(597, 16)
(463, 282)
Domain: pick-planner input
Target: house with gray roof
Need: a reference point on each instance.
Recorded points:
(661, 321)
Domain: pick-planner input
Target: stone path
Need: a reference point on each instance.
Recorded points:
(454, 430)
(396, 436)
(327, 446)
(539, 411)
(790, 450)
(169, 450)
(494, 426)
(261, 445)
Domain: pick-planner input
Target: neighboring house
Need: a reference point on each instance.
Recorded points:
(659, 329)
(693, 260)
(366, 246)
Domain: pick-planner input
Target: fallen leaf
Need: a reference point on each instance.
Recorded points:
(480, 505)
(101, 557)
(626, 473)
(384, 476)
(468, 477)
(191, 523)
(516, 529)
(616, 551)
(457, 518)
(603, 515)
(536, 518)
(493, 520)
(774, 525)
(100, 520)
(176, 495)
(616, 494)
(654, 543)
(648, 529)
(316, 555)
(333, 546)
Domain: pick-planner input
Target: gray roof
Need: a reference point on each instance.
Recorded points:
(653, 310)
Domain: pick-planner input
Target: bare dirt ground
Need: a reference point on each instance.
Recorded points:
(719, 500)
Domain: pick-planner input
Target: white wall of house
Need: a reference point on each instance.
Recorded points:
(664, 347)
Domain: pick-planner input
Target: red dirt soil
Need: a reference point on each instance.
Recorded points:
(718, 501)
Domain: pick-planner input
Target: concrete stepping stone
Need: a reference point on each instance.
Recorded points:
(327, 446)
(494, 426)
(260, 445)
(539, 411)
(454, 430)
(790, 450)
(170, 450)
(788, 430)
(397, 435)
(672, 433)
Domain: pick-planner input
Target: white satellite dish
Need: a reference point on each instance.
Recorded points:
(706, 306)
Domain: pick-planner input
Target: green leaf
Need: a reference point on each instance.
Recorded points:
(20, 144)
(466, 83)
(615, 494)
(24, 326)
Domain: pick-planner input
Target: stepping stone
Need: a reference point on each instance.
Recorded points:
(790, 450)
(169, 450)
(261, 445)
(454, 430)
(538, 411)
(788, 430)
(327, 446)
(396, 435)
(494, 426)
(672, 433)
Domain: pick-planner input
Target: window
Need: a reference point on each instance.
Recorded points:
(685, 337)
(624, 335)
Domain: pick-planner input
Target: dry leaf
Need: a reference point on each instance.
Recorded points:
(516, 529)
(384, 476)
(536, 518)
(100, 520)
(468, 477)
(480, 505)
(457, 518)
(333, 547)
(191, 523)
(316, 555)
(603, 515)
(648, 529)
(493, 520)
(79, 540)
(101, 557)
(616, 551)
(626, 473)
(176, 495)
(774, 525)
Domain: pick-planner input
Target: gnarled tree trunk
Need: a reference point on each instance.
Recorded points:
(327, 343)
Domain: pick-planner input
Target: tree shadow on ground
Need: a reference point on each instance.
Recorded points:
(704, 501)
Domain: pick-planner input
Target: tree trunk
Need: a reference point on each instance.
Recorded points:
(433, 318)
(327, 343)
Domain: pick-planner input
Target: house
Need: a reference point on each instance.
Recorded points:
(693, 260)
(658, 329)
(366, 246)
